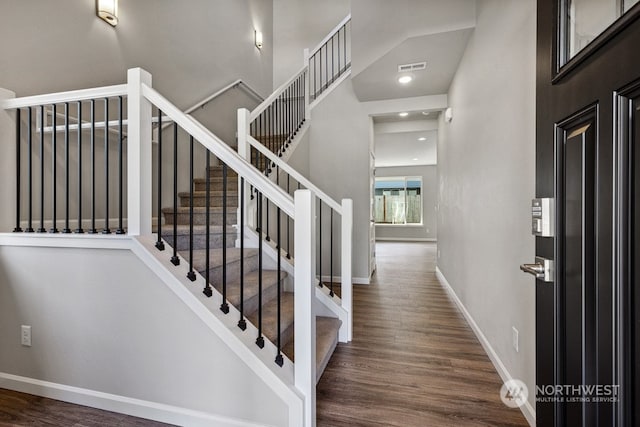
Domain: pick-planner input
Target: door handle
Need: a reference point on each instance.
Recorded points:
(535, 269)
(542, 269)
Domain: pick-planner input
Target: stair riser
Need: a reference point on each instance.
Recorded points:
(199, 240)
(200, 218)
(200, 201)
(216, 172)
(216, 185)
(233, 270)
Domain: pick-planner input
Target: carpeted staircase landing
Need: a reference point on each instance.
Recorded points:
(326, 327)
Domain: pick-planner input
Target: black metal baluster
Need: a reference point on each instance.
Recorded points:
(279, 359)
(242, 323)
(288, 220)
(339, 69)
(30, 167)
(303, 112)
(79, 230)
(331, 256)
(315, 73)
(224, 307)
(159, 242)
(54, 168)
(18, 229)
(191, 275)
(320, 70)
(120, 229)
(41, 229)
(345, 45)
(174, 258)
(260, 339)
(333, 65)
(66, 229)
(326, 65)
(207, 228)
(320, 243)
(93, 230)
(106, 166)
(267, 237)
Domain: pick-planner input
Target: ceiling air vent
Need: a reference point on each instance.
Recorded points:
(416, 66)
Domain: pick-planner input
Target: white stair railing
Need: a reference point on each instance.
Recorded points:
(141, 100)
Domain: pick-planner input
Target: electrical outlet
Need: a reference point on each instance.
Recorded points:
(26, 335)
(515, 339)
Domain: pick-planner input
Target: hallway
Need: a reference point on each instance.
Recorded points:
(413, 361)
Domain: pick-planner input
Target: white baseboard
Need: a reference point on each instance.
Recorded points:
(120, 404)
(527, 410)
(406, 239)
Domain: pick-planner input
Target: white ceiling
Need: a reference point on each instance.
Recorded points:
(404, 148)
(386, 34)
(442, 53)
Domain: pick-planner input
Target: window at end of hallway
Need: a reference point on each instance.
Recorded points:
(398, 200)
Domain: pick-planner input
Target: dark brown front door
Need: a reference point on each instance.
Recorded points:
(588, 152)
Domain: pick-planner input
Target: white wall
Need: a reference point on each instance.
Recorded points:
(427, 230)
(486, 180)
(102, 320)
(339, 162)
(299, 25)
(191, 51)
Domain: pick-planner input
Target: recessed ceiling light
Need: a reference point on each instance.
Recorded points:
(403, 114)
(415, 158)
(422, 138)
(405, 79)
(426, 113)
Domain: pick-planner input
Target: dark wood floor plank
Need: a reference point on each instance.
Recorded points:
(20, 409)
(413, 361)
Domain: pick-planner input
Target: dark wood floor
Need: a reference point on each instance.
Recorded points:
(19, 409)
(413, 360)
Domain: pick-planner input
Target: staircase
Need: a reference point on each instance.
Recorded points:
(326, 327)
(215, 230)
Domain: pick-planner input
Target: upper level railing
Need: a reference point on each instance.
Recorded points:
(277, 120)
(330, 59)
(60, 174)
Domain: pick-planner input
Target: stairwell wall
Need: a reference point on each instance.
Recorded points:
(191, 51)
(299, 25)
(103, 321)
(486, 179)
(339, 141)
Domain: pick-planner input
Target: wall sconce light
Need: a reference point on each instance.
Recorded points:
(108, 10)
(258, 39)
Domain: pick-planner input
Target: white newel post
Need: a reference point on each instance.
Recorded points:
(139, 163)
(307, 86)
(244, 151)
(7, 164)
(346, 265)
(305, 319)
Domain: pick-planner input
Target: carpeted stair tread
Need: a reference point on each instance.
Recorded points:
(270, 322)
(215, 257)
(251, 299)
(199, 236)
(326, 340)
(216, 198)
